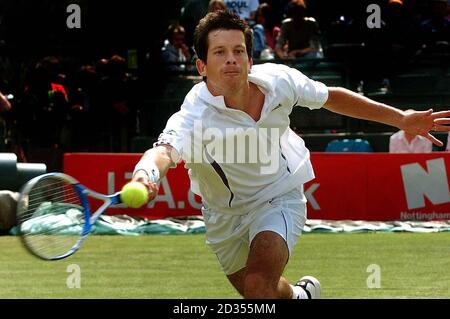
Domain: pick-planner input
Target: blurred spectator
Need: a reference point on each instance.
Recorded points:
(259, 40)
(5, 106)
(245, 9)
(215, 5)
(434, 32)
(265, 32)
(9, 133)
(119, 99)
(300, 35)
(389, 48)
(402, 142)
(343, 27)
(82, 115)
(278, 7)
(175, 50)
(267, 17)
(42, 110)
(398, 32)
(191, 14)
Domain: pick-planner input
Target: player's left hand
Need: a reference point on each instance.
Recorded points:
(424, 122)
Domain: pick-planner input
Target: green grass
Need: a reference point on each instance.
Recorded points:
(411, 266)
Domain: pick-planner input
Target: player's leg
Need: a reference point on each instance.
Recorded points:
(238, 278)
(252, 268)
(307, 287)
(267, 257)
(273, 235)
(227, 236)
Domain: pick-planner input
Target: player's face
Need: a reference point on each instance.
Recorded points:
(227, 64)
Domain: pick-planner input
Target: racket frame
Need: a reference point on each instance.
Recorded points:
(83, 193)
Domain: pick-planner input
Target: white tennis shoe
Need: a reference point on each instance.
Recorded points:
(310, 285)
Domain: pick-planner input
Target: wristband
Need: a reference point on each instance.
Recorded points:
(150, 168)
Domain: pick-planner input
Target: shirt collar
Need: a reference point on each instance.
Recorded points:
(215, 101)
(219, 101)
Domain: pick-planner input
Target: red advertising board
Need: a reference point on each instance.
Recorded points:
(107, 173)
(379, 186)
(354, 186)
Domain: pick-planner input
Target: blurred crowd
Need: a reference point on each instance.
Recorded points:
(96, 106)
(289, 29)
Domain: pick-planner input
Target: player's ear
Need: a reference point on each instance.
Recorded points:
(201, 67)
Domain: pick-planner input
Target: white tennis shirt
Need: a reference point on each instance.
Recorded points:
(399, 144)
(235, 163)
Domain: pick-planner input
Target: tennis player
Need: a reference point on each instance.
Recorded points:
(253, 202)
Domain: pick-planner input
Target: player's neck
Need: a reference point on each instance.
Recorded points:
(249, 100)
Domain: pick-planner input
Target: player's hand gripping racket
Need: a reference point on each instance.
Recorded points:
(54, 215)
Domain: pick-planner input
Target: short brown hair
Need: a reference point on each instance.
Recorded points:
(223, 19)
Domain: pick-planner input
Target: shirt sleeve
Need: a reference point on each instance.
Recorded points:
(308, 93)
(178, 129)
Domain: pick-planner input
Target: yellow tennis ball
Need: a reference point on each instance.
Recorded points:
(134, 194)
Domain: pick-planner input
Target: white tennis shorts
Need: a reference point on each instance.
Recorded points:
(230, 236)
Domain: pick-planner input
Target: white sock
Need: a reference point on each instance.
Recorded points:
(298, 292)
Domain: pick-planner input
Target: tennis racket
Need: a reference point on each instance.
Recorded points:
(54, 215)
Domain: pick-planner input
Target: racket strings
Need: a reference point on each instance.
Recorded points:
(35, 204)
(48, 246)
(51, 218)
(49, 193)
(67, 195)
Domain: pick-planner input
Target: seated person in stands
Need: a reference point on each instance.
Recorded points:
(265, 32)
(402, 142)
(299, 36)
(175, 49)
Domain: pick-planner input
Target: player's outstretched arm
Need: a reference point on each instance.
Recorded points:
(153, 166)
(346, 102)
